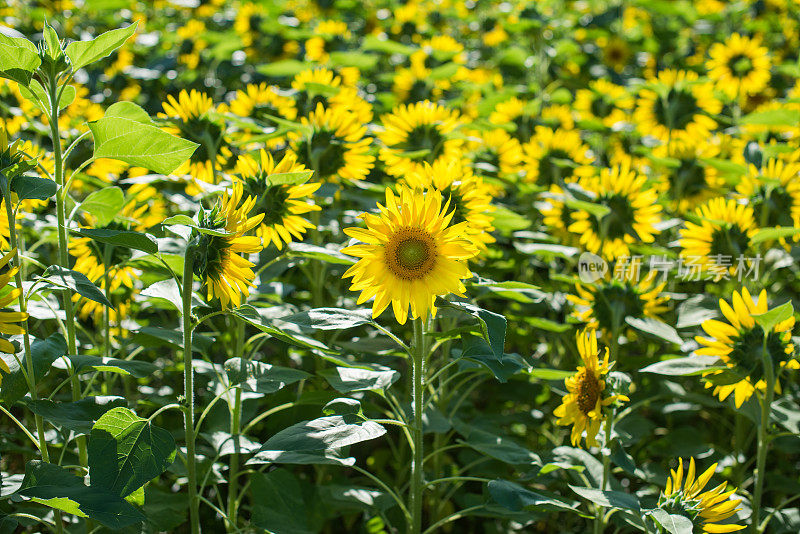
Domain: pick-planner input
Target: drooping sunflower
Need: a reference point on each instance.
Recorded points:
(416, 134)
(676, 105)
(633, 215)
(218, 263)
(555, 156)
(721, 239)
(323, 86)
(283, 205)
(495, 154)
(774, 193)
(706, 509)
(468, 196)
(604, 101)
(410, 254)
(605, 304)
(739, 66)
(9, 319)
(336, 149)
(739, 344)
(582, 406)
(189, 118)
(692, 181)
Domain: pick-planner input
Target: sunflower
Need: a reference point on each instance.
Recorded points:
(260, 102)
(605, 102)
(582, 406)
(739, 66)
(689, 180)
(557, 216)
(328, 36)
(413, 84)
(616, 53)
(677, 106)
(517, 113)
(283, 205)
(605, 303)
(322, 86)
(707, 509)
(9, 319)
(467, 195)
(774, 193)
(410, 254)
(189, 117)
(633, 212)
(495, 154)
(416, 134)
(228, 275)
(721, 239)
(555, 156)
(740, 341)
(191, 43)
(336, 148)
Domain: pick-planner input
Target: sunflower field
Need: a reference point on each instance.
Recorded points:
(399, 266)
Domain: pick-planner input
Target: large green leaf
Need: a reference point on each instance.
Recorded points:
(57, 488)
(329, 318)
(39, 97)
(689, 365)
(18, 59)
(516, 498)
(121, 238)
(83, 363)
(609, 499)
(768, 320)
(82, 53)
(283, 504)
(655, 328)
(261, 377)
(126, 451)
(78, 416)
(75, 281)
(496, 446)
(319, 253)
(139, 144)
(29, 186)
(103, 204)
(493, 325)
(672, 523)
(43, 352)
(347, 379)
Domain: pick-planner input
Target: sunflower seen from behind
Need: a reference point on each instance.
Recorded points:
(583, 405)
(218, 260)
(632, 216)
(409, 254)
(9, 319)
(282, 204)
(710, 510)
(773, 191)
(739, 342)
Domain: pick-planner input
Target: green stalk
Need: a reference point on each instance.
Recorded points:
(236, 431)
(419, 352)
(763, 432)
(23, 307)
(63, 258)
(188, 388)
(608, 429)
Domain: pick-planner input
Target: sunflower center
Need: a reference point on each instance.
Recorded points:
(777, 203)
(410, 253)
(271, 201)
(554, 164)
(732, 242)
(689, 179)
(677, 110)
(619, 220)
(264, 111)
(614, 302)
(601, 107)
(307, 101)
(525, 126)
(740, 65)
(588, 392)
(324, 153)
(200, 131)
(427, 141)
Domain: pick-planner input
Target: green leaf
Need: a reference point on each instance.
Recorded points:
(507, 221)
(773, 117)
(516, 498)
(185, 220)
(126, 451)
(139, 144)
(609, 499)
(776, 315)
(373, 42)
(252, 316)
(289, 178)
(498, 447)
(19, 59)
(128, 110)
(317, 438)
(329, 318)
(82, 53)
(54, 486)
(347, 379)
(282, 505)
(353, 59)
(284, 68)
(28, 186)
(550, 374)
(261, 377)
(43, 352)
(39, 97)
(444, 72)
(166, 290)
(493, 325)
(598, 210)
(771, 234)
(314, 252)
(655, 328)
(672, 523)
(476, 349)
(121, 238)
(104, 204)
(83, 363)
(686, 366)
(78, 416)
(75, 281)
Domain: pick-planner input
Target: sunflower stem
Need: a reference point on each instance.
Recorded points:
(236, 430)
(608, 430)
(419, 352)
(26, 339)
(188, 388)
(763, 432)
